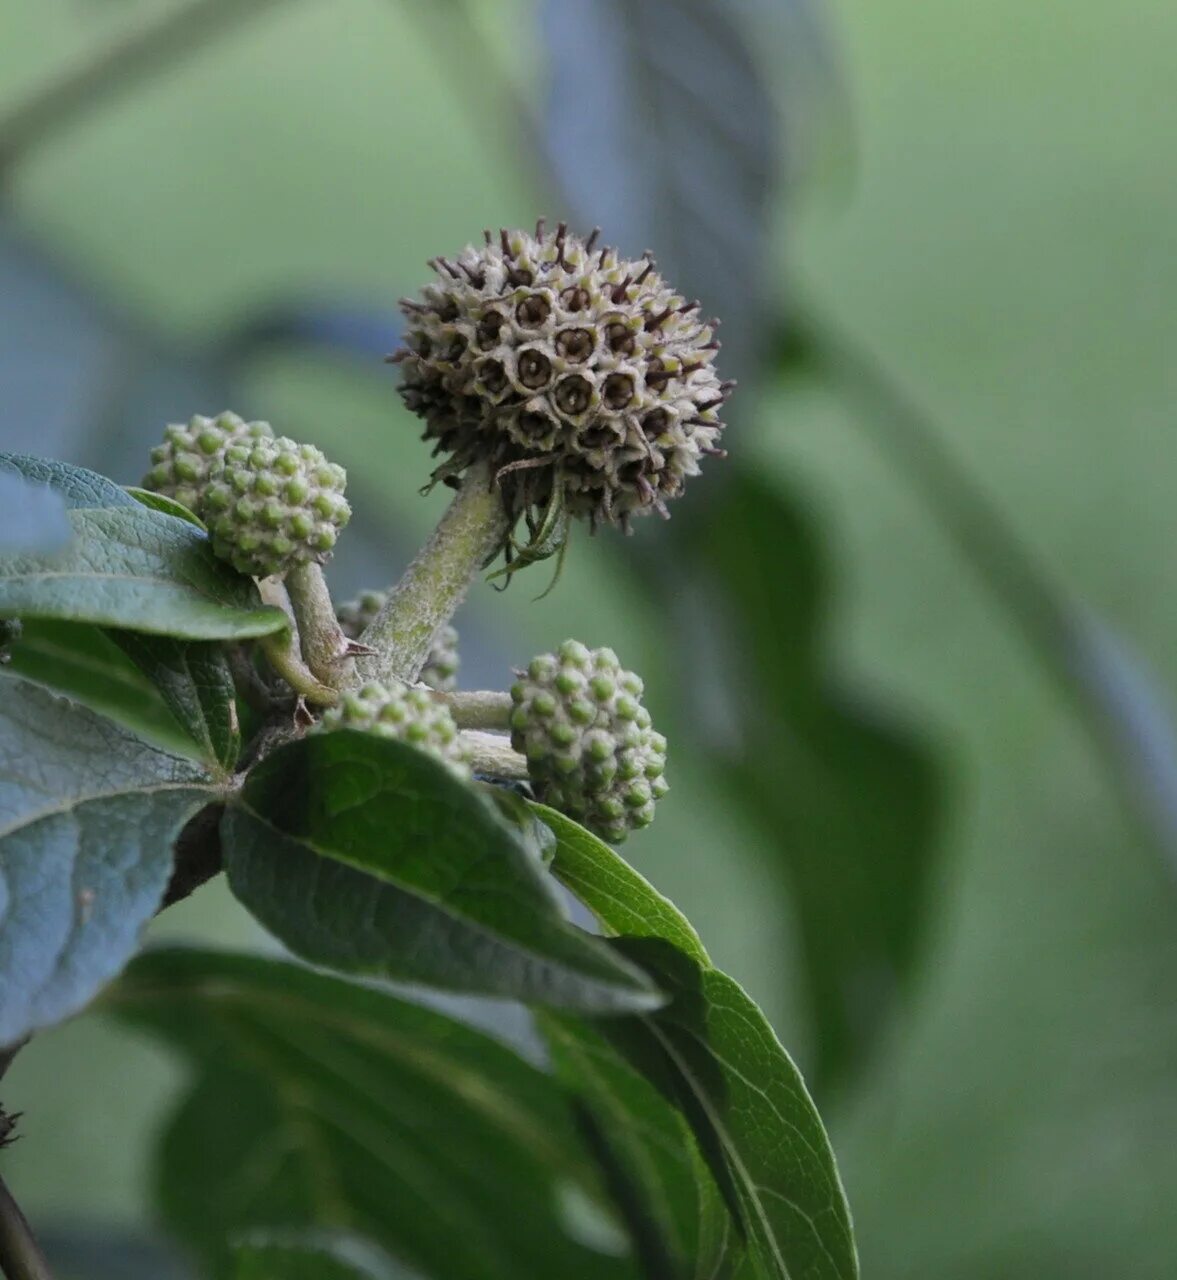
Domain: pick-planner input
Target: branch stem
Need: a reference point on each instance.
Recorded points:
(478, 709)
(20, 1255)
(492, 756)
(283, 652)
(434, 585)
(325, 648)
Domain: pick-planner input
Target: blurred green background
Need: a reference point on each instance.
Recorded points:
(998, 222)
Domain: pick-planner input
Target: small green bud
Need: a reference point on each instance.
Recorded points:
(404, 713)
(183, 464)
(252, 523)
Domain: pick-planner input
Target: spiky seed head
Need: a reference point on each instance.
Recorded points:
(441, 667)
(404, 713)
(561, 363)
(273, 504)
(182, 465)
(591, 751)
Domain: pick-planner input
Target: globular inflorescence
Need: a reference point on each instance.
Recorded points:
(191, 452)
(441, 667)
(407, 714)
(571, 370)
(591, 751)
(272, 504)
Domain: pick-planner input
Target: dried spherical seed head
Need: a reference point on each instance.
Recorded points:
(190, 453)
(404, 713)
(273, 504)
(571, 360)
(578, 719)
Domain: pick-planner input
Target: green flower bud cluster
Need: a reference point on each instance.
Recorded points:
(190, 453)
(591, 752)
(273, 504)
(404, 713)
(441, 668)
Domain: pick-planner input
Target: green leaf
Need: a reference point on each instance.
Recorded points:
(680, 1224)
(327, 1104)
(88, 816)
(712, 1053)
(370, 856)
(160, 502)
(307, 1255)
(848, 792)
(83, 662)
(128, 567)
(194, 680)
(623, 901)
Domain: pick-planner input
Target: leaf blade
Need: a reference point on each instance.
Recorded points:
(325, 1104)
(88, 816)
(128, 567)
(704, 1051)
(195, 683)
(370, 856)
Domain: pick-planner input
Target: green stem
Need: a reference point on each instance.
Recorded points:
(491, 754)
(20, 1255)
(282, 649)
(325, 648)
(478, 709)
(73, 95)
(434, 585)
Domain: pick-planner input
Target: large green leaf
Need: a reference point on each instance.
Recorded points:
(84, 663)
(681, 1226)
(194, 681)
(712, 1053)
(323, 1103)
(370, 856)
(289, 1255)
(88, 816)
(848, 793)
(127, 567)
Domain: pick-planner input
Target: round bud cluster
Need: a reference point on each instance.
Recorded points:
(182, 465)
(578, 718)
(441, 667)
(559, 362)
(440, 671)
(273, 504)
(404, 713)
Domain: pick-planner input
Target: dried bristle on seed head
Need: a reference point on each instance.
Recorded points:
(548, 351)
